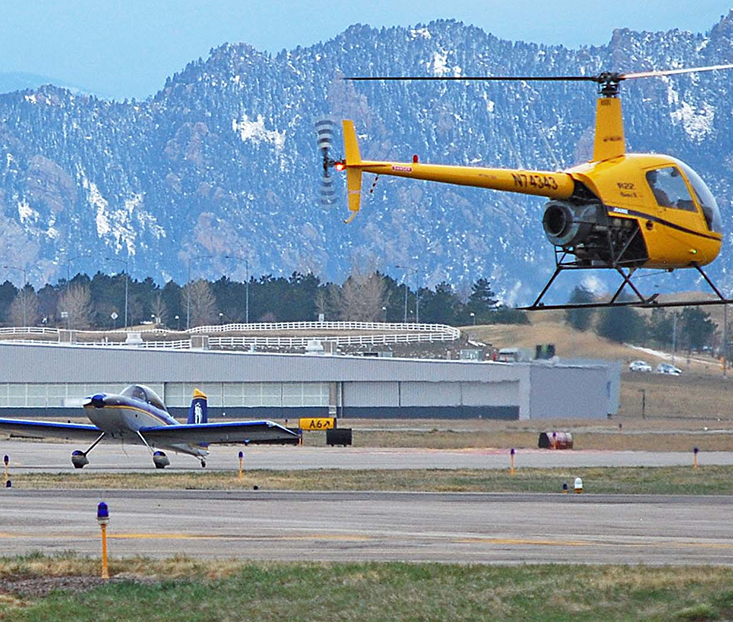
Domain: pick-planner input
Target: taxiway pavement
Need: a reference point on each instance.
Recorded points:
(55, 457)
(375, 526)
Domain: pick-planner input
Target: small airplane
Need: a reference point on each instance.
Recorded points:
(620, 211)
(138, 416)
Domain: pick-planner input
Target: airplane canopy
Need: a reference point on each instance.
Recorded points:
(144, 394)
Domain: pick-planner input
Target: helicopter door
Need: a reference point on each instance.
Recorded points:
(669, 189)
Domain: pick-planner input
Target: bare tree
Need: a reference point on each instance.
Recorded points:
(76, 302)
(202, 300)
(23, 310)
(158, 308)
(362, 297)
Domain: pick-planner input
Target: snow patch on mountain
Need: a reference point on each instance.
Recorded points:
(27, 214)
(115, 223)
(697, 122)
(255, 131)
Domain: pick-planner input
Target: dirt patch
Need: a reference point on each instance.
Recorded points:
(39, 587)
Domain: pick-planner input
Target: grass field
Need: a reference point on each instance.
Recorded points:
(709, 480)
(298, 592)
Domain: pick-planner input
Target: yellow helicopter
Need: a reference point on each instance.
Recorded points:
(620, 211)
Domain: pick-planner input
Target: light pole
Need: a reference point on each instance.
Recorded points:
(417, 293)
(23, 291)
(384, 311)
(178, 322)
(725, 341)
(473, 318)
(127, 281)
(246, 284)
(68, 261)
(188, 287)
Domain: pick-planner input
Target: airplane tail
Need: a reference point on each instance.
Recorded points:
(198, 411)
(353, 175)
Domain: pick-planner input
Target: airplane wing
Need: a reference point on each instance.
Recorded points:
(262, 432)
(49, 429)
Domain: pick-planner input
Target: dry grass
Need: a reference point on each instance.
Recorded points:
(639, 480)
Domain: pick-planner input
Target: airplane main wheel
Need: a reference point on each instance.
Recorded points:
(203, 464)
(79, 459)
(160, 460)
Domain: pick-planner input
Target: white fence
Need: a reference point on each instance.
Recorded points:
(380, 333)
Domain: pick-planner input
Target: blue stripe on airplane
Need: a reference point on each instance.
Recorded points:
(49, 424)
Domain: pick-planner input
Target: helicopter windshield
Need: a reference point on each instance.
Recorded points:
(144, 394)
(705, 198)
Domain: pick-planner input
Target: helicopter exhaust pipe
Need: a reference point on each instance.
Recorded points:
(568, 224)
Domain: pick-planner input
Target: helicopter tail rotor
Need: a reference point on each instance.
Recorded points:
(324, 141)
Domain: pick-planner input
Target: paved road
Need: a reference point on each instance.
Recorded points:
(481, 528)
(55, 457)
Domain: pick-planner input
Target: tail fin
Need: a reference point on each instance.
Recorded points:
(353, 175)
(198, 411)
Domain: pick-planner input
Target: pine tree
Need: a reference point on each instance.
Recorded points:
(580, 319)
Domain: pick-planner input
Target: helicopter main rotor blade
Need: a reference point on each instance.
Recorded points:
(476, 78)
(671, 72)
(601, 78)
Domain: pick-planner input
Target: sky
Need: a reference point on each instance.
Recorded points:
(127, 48)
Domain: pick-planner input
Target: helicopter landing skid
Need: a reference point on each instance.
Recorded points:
(643, 302)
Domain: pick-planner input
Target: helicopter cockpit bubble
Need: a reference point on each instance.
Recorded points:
(705, 198)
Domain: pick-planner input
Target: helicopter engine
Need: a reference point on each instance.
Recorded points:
(569, 224)
(584, 229)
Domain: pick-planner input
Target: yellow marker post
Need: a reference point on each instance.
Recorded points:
(695, 451)
(103, 520)
(511, 457)
(241, 460)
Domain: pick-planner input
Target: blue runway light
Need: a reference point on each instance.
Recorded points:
(241, 455)
(6, 459)
(103, 513)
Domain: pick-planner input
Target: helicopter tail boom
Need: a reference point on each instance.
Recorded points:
(554, 185)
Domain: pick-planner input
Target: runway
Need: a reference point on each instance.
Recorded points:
(415, 527)
(55, 457)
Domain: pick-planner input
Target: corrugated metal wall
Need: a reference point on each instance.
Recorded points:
(391, 386)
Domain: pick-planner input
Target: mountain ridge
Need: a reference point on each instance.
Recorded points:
(222, 160)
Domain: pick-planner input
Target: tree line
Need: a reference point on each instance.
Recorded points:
(105, 301)
(687, 329)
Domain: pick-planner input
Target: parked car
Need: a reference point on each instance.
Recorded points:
(639, 366)
(670, 370)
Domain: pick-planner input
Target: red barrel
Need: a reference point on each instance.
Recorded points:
(555, 440)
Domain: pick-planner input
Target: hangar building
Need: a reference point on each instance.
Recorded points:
(48, 380)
